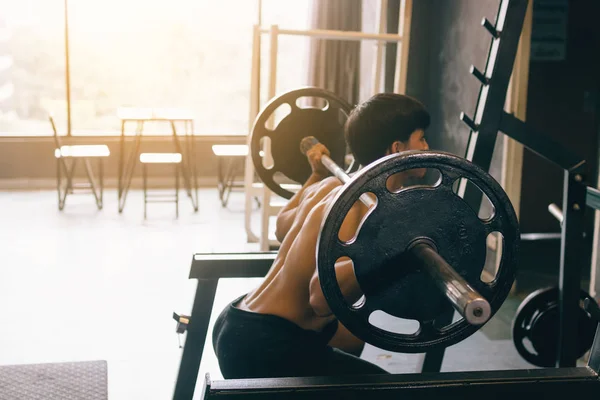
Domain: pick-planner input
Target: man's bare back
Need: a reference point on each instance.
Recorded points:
(289, 288)
(285, 292)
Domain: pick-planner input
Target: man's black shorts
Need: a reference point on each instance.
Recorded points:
(252, 345)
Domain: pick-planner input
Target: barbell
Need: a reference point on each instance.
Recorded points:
(419, 251)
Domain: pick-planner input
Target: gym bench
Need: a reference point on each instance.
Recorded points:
(208, 268)
(549, 383)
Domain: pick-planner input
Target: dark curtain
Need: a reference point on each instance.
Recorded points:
(335, 64)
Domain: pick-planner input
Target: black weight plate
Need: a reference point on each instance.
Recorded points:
(383, 267)
(326, 124)
(431, 212)
(537, 320)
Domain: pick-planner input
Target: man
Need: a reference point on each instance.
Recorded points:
(284, 327)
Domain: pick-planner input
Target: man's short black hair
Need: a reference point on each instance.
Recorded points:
(374, 125)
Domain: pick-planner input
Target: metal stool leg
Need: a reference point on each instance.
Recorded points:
(220, 180)
(59, 184)
(90, 174)
(177, 190)
(145, 178)
(230, 180)
(70, 175)
(101, 174)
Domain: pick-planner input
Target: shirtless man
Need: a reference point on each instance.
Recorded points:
(284, 327)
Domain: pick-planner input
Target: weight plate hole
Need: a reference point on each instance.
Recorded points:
(494, 246)
(342, 265)
(390, 323)
(347, 233)
(417, 177)
(529, 346)
(486, 211)
(277, 116)
(265, 146)
(312, 102)
(280, 179)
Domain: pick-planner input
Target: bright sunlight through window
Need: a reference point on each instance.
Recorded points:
(190, 55)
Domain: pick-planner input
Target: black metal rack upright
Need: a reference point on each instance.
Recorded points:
(484, 126)
(575, 199)
(490, 118)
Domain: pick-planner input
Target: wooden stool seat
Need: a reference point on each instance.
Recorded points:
(160, 158)
(85, 150)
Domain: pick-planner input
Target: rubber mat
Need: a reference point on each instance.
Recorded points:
(64, 381)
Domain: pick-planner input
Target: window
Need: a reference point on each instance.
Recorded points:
(32, 67)
(293, 51)
(190, 55)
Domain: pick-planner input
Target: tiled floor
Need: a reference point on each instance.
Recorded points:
(84, 284)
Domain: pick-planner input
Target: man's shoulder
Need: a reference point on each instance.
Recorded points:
(329, 183)
(322, 188)
(319, 190)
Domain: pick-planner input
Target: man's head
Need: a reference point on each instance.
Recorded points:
(384, 124)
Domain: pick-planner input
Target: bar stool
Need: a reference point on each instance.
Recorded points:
(67, 157)
(230, 163)
(161, 158)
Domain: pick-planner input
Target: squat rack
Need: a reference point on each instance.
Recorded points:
(402, 39)
(490, 118)
(495, 78)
